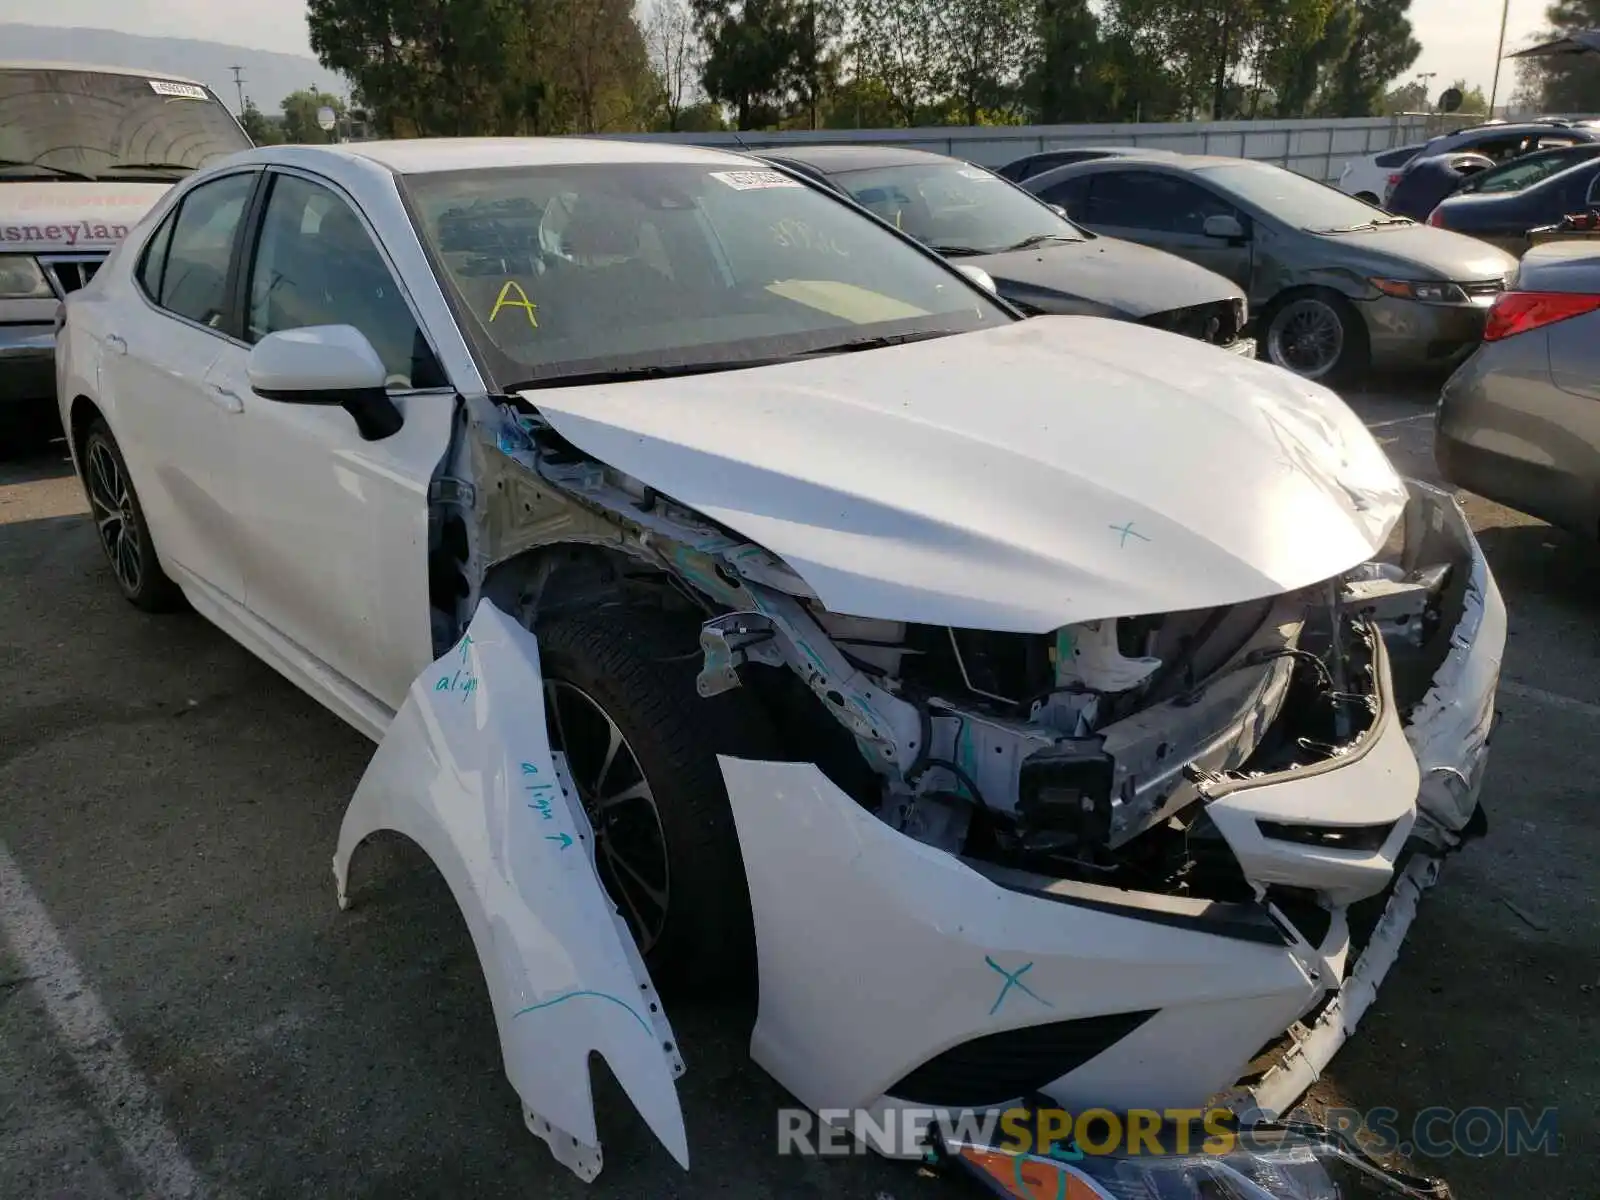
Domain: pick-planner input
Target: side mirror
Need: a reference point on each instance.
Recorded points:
(326, 364)
(980, 277)
(1225, 226)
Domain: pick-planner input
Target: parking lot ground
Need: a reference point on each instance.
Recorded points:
(183, 1004)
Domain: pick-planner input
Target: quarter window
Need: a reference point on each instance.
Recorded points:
(155, 257)
(194, 282)
(315, 264)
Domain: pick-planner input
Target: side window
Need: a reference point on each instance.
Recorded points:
(1593, 196)
(154, 259)
(315, 264)
(1070, 194)
(194, 282)
(1147, 200)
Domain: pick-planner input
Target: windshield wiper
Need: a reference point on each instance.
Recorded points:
(1040, 239)
(959, 251)
(150, 166)
(61, 171)
(634, 374)
(1372, 224)
(678, 370)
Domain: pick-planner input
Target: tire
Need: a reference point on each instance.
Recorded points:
(1317, 335)
(638, 671)
(121, 526)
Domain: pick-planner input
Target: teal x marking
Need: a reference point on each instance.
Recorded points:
(1013, 980)
(1127, 531)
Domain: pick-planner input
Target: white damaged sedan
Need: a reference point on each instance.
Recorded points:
(1034, 708)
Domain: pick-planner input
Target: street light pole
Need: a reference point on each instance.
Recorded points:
(1499, 54)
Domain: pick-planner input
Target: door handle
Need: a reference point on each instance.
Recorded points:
(226, 399)
(115, 343)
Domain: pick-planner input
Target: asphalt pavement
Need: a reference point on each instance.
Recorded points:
(185, 1011)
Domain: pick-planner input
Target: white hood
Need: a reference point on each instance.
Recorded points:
(1055, 470)
(70, 217)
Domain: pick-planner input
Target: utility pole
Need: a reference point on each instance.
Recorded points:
(1499, 54)
(238, 83)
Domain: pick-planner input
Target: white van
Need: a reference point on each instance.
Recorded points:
(84, 153)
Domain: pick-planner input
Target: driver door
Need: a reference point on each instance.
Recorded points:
(334, 528)
(1168, 213)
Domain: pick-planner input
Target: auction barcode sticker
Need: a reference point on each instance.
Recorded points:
(744, 181)
(165, 87)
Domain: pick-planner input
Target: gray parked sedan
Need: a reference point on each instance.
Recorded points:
(1519, 421)
(1336, 285)
(1038, 260)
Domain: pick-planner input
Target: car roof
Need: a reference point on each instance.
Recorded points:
(1174, 162)
(1518, 129)
(418, 155)
(832, 160)
(96, 69)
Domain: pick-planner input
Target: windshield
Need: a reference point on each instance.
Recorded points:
(579, 269)
(1520, 173)
(1290, 198)
(87, 123)
(956, 208)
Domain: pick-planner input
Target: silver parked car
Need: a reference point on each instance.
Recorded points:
(1518, 421)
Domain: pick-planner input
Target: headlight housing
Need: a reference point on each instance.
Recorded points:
(1425, 291)
(21, 278)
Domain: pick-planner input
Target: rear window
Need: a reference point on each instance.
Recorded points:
(1397, 158)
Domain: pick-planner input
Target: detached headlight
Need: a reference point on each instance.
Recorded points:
(1424, 291)
(1272, 1163)
(21, 279)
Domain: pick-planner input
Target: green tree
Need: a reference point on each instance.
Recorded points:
(300, 117)
(1380, 48)
(444, 67)
(815, 58)
(860, 103)
(1569, 84)
(677, 56)
(427, 66)
(897, 48)
(1472, 98)
(1408, 97)
(257, 127)
(987, 45)
(752, 47)
(1065, 78)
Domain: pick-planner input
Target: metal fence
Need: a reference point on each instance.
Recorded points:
(1318, 148)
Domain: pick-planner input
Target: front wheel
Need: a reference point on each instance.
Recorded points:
(641, 747)
(1318, 336)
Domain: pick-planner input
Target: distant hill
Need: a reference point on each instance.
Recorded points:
(268, 76)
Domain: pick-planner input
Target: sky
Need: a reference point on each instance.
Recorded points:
(1458, 37)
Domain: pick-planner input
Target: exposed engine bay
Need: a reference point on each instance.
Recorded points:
(1082, 754)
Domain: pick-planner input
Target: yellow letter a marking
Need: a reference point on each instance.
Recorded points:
(512, 296)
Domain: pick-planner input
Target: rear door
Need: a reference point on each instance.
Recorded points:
(177, 430)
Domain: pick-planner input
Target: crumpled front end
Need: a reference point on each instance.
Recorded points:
(1104, 864)
(898, 976)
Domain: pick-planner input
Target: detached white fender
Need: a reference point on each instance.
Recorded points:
(467, 773)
